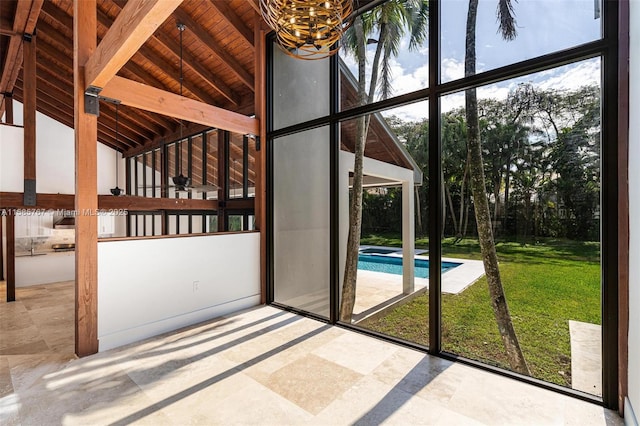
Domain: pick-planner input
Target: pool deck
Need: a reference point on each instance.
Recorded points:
(378, 292)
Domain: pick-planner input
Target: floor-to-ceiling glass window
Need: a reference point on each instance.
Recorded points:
(540, 144)
(506, 118)
(301, 195)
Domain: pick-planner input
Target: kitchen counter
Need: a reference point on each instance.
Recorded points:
(44, 253)
(44, 267)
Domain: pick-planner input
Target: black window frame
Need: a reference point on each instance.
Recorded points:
(605, 48)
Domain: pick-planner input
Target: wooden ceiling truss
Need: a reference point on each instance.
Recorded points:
(138, 43)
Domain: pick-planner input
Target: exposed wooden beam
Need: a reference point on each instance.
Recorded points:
(66, 118)
(49, 8)
(255, 5)
(188, 59)
(45, 201)
(147, 55)
(54, 102)
(155, 100)
(225, 11)
(6, 27)
(206, 38)
(29, 120)
(56, 40)
(49, 53)
(8, 112)
(169, 69)
(133, 203)
(109, 202)
(64, 92)
(86, 187)
(26, 16)
(136, 22)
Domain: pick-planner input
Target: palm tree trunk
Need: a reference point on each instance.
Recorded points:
(481, 204)
(348, 298)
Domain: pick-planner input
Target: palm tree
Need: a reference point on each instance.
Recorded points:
(388, 22)
(478, 188)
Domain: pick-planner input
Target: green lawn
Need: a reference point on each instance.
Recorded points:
(546, 285)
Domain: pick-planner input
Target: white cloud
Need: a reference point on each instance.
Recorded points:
(413, 112)
(451, 69)
(572, 77)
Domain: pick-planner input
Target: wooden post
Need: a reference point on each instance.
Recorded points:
(8, 101)
(11, 256)
(86, 200)
(29, 120)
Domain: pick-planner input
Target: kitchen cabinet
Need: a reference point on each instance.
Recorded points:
(106, 225)
(36, 225)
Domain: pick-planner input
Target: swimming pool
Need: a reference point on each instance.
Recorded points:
(393, 265)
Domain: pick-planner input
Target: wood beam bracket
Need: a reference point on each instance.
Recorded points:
(92, 100)
(29, 192)
(29, 37)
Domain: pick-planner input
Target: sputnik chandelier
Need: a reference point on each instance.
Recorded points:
(308, 29)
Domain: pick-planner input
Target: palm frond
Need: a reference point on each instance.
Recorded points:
(418, 23)
(385, 78)
(507, 20)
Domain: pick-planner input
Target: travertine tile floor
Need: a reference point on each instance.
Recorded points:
(261, 366)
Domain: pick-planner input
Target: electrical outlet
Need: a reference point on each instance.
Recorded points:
(196, 286)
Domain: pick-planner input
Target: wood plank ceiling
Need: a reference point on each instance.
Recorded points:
(217, 63)
(218, 69)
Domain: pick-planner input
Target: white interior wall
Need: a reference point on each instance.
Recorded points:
(149, 287)
(633, 402)
(55, 158)
(11, 159)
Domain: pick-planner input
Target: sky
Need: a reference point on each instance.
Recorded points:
(543, 26)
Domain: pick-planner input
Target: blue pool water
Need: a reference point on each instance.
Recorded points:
(393, 265)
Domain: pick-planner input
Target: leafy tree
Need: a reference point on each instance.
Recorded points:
(385, 26)
(455, 166)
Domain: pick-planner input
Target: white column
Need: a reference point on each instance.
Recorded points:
(346, 165)
(408, 236)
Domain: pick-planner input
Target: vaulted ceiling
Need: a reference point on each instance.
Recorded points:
(218, 68)
(218, 62)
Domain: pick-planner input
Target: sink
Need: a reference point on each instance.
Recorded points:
(30, 255)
